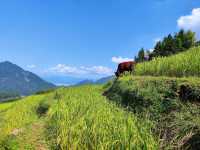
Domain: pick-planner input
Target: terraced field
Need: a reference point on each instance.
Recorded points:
(72, 118)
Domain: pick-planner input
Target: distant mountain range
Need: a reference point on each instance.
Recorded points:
(100, 81)
(60, 80)
(104, 80)
(13, 79)
(70, 81)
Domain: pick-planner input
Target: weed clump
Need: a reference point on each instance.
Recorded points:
(42, 108)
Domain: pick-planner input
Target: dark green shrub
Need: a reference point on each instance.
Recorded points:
(42, 108)
(45, 91)
(192, 143)
(189, 93)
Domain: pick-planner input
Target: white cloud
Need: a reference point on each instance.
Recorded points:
(157, 40)
(120, 59)
(62, 68)
(151, 49)
(70, 70)
(191, 22)
(31, 66)
(98, 70)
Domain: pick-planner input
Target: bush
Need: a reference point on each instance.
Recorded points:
(45, 91)
(42, 109)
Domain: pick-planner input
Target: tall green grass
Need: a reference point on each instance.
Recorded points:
(180, 65)
(16, 120)
(20, 113)
(84, 119)
(5, 105)
(172, 104)
(76, 118)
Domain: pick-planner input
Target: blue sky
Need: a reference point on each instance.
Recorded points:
(79, 37)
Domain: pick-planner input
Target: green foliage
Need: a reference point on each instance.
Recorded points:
(160, 99)
(180, 65)
(181, 41)
(197, 43)
(141, 56)
(45, 91)
(42, 108)
(170, 45)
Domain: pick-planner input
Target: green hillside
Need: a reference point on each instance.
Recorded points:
(146, 112)
(181, 65)
(172, 105)
(72, 118)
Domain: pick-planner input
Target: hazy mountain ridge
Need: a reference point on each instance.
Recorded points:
(14, 79)
(99, 81)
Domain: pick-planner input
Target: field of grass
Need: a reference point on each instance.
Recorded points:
(16, 118)
(172, 105)
(72, 118)
(181, 65)
(6, 105)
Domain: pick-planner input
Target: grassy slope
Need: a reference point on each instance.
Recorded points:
(180, 65)
(172, 104)
(15, 120)
(77, 118)
(6, 105)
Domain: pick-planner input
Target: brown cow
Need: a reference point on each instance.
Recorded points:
(125, 66)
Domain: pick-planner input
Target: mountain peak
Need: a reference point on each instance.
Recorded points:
(14, 78)
(6, 62)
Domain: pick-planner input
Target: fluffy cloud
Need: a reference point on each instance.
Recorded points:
(62, 68)
(151, 49)
(31, 66)
(94, 70)
(157, 40)
(120, 59)
(191, 21)
(97, 70)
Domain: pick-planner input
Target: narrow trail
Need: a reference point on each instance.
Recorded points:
(33, 136)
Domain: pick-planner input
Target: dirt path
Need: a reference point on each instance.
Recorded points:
(33, 137)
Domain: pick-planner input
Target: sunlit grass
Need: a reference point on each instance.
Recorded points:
(77, 118)
(181, 65)
(6, 105)
(21, 113)
(84, 119)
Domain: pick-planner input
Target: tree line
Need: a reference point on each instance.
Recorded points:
(170, 45)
